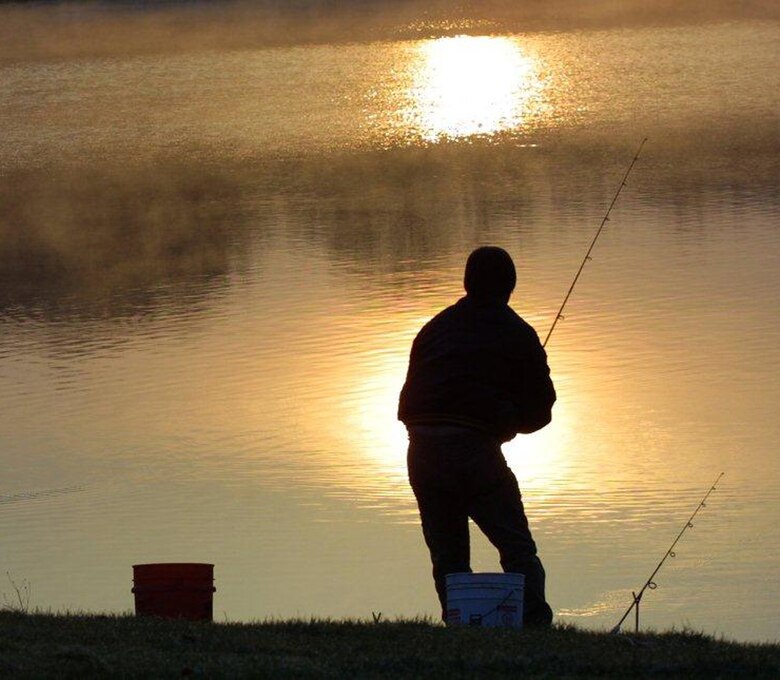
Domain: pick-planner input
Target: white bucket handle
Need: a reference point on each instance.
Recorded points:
(499, 605)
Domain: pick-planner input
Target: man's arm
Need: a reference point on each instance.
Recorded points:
(536, 391)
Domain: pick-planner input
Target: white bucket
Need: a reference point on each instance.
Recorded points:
(490, 600)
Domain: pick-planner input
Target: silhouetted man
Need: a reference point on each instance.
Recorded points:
(477, 376)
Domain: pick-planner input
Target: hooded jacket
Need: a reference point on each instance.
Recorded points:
(478, 364)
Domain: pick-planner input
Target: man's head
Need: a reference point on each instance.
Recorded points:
(490, 274)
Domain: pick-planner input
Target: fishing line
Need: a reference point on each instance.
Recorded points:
(587, 257)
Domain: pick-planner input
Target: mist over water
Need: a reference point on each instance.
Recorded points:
(214, 254)
(104, 29)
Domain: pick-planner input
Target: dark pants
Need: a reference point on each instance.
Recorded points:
(460, 473)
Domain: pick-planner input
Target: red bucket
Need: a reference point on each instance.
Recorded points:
(174, 590)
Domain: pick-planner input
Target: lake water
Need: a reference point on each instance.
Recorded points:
(212, 266)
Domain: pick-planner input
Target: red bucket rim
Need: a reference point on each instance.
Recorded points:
(174, 564)
(189, 571)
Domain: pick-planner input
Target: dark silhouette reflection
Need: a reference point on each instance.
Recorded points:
(98, 239)
(477, 376)
(394, 210)
(103, 240)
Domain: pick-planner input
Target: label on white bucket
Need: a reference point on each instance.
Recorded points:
(486, 599)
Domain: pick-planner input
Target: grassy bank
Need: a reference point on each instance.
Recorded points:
(42, 645)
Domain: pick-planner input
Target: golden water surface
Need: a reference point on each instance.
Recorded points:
(214, 264)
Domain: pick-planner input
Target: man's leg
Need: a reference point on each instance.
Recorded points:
(501, 516)
(442, 509)
(446, 530)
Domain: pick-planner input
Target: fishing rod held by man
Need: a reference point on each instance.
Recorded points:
(587, 258)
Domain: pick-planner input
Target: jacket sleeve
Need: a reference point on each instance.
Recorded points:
(406, 396)
(535, 391)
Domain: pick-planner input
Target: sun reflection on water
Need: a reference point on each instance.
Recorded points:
(473, 85)
(380, 436)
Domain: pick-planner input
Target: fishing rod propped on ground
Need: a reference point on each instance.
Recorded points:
(587, 257)
(650, 583)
